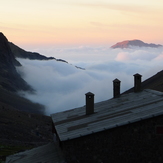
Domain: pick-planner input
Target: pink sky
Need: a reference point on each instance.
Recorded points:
(34, 23)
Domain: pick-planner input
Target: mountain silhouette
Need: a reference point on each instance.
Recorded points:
(9, 77)
(136, 43)
(20, 53)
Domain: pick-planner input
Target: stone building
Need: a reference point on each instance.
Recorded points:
(127, 128)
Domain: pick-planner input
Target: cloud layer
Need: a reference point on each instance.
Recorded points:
(61, 86)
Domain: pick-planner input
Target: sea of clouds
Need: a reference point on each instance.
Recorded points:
(61, 86)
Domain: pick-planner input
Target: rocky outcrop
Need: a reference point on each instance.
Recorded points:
(137, 43)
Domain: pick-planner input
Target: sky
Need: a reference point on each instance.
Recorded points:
(45, 24)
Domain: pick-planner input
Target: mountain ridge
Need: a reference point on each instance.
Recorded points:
(136, 43)
(21, 53)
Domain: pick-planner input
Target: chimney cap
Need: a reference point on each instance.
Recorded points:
(137, 75)
(116, 81)
(89, 94)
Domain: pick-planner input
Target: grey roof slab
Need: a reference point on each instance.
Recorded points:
(108, 114)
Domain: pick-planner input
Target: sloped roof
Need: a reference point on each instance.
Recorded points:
(108, 114)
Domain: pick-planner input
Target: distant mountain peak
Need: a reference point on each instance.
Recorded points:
(135, 42)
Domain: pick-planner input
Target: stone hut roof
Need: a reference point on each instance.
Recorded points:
(128, 108)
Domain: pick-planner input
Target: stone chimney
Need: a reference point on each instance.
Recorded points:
(89, 103)
(137, 82)
(116, 88)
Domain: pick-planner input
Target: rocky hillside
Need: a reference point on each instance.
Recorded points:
(136, 43)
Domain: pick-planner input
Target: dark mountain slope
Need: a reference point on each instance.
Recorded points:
(9, 78)
(20, 53)
(17, 102)
(137, 43)
(7, 58)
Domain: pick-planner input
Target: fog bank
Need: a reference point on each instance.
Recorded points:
(61, 86)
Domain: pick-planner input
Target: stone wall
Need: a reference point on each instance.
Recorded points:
(133, 143)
